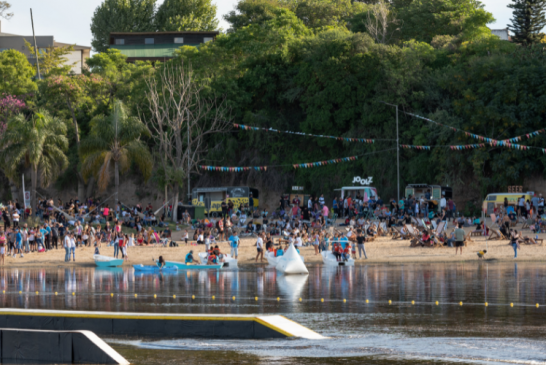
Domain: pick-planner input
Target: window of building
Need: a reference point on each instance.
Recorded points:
(148, 41)
(179, 40)
(120, 41)
(207, 39)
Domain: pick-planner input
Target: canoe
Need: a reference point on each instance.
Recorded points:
(291, 263)
(106, 261)
(182, 266)
(228, 260)
(155, 268)
(329, 259)
(272, 260)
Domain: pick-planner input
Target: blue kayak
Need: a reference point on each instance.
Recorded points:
(195, 266)
(155, 268)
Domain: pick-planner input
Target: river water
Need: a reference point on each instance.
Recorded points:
(373, 332)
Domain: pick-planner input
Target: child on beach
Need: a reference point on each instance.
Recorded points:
(185, 236)
(481, 254)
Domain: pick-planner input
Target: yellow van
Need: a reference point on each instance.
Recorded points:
(495, 200)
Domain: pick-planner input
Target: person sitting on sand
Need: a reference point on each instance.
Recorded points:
(189, 258)
(425, 239)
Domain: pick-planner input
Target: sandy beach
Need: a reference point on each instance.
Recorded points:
(382, 250)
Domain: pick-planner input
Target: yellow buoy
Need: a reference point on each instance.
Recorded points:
(486, 304)
(20, 292)
(3, 291)
(412, 302)
(511, 304)
(233, 298)
(390, 301)
(256, 298)
(37, 293)
(278, 299)
(367, 301)
(537, 305)
(174, 296)
(344, 300)
(460, 303)
(55, 293)
(155, 295)
(111, 294)
(193, 296)
(437, 303)
(136, 295)
(213, 297)
(322, 300)
(300, 299)
(73, 293)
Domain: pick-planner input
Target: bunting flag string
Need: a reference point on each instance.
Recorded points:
(264, 168)
(493, 142)
(528, 135)
(427, 148)
(295, 166)
(346, 139)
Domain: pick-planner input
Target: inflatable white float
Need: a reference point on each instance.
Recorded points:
(291, 262)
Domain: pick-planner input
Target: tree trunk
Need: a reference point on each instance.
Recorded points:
(90, 187)
(175, 203)
(116, 177)
(34, 186)
(166, 207)
(15, 192)
(81, 187)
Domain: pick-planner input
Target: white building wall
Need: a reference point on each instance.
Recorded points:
(74, 57)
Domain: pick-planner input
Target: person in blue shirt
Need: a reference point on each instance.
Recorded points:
(48, 237)
(343, 242)
(41, 233)
(189, 258)
(18, 242)
(279, 252)
(234, 243)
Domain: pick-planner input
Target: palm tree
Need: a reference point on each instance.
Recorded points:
(38, 142)
(115, 139)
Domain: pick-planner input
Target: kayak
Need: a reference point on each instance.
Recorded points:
(155, 268)
(228, 260)
(291, 262)
(196, 266)
(329, 259)
(106, 261)
(273, 260)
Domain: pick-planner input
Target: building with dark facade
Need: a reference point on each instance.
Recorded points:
(156, 46)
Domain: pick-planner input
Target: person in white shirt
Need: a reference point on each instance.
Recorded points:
(69, 246)
(321, 200)
(360, 222)
(299, 242)
(260, 247)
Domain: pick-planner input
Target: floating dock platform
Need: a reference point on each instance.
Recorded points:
(220, 326)
(55, 347)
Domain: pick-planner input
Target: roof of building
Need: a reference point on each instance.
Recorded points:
(158, 33)
(76, 47)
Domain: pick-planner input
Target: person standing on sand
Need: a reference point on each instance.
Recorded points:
(514, 241)
(260, 247)
(459, 238)
(360, 239)
(234, 243)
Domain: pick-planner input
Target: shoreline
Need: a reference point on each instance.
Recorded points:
(383, 250)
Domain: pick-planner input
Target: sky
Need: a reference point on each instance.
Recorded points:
(70, 23)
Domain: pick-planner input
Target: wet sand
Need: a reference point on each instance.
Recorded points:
(382, 250)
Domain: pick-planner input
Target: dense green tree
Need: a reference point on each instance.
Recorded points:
(186, 15)
(120, 16)
(252, 12)
(115, 139)
(444, 20)
(52, 61)
(528, 21)
(38, 142)
(16, 73)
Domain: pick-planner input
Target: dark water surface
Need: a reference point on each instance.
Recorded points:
(373, 333)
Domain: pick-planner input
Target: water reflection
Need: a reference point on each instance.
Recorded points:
(447, 283)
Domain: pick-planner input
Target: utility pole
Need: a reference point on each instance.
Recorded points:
(188, 123)
(397, 148)
(36, 47)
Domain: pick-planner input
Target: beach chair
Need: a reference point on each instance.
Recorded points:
(495, 233)
(412, 232)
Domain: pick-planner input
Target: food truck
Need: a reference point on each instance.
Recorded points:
(436, 191)
(211, 198)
